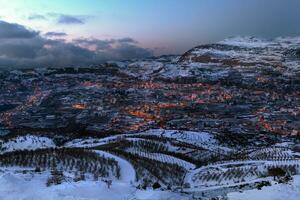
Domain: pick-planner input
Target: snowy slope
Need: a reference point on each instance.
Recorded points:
(92, 142)
(275, 192)
(20, 187)
(201, 139)
(239, 53)
(127, 170)
(28, 142)
(162, 158)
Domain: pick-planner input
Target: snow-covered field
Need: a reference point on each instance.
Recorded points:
(201, 139)
(28, 142)
(163, 158)
(240, 172)
(26, 187)
(217, 178)
(289, 191)
(17, 185)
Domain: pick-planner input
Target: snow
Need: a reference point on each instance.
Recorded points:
(158, 195)
(127, 170)
(162, 158)
(173, 71)
(28, 142)
(143, 69)
(93, 142)
(88, 143)
(248, 42)
(197, 184)
(253, 50)
(201, 139)
(275, 192)
(17, 187)
(288, 42)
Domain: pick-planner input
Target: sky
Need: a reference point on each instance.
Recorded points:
(118, 29)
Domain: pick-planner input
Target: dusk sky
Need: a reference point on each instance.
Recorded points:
(146, 27)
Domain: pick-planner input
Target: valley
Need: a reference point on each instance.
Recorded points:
(217, 120)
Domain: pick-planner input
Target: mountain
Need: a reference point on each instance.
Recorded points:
(218, 119)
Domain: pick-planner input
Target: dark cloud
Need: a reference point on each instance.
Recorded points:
(69, 19)
(55, 34)
(124, 48)
(127, 40)
(37, 17)
(104, 44)
(9, 31)
(21, 47)
(93, 43)
(130, 51)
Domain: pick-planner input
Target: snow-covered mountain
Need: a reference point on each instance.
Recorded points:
(238, 53)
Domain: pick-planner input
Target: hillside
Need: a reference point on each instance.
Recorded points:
(217, 120)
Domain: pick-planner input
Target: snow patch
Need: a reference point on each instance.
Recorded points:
(28, 142)
(17, 187)
(279, 192)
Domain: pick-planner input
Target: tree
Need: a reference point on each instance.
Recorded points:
(56, 178)
(118, 172)
(96, 176)
(79, 176)
(276, 172)
(37, 169)
(156, 185)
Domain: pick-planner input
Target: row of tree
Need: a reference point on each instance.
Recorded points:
(63, 159)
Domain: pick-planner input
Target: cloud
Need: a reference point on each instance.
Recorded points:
(55, 34)
(128, 40)
(69, 19)
(22, 47)
(104, 44)
(37, 17)
(119, 49)
(9, 31)
(61, 18)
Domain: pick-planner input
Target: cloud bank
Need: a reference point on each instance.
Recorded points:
(22, 47)
(36, 17)
(55, 34)
(69, 19)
